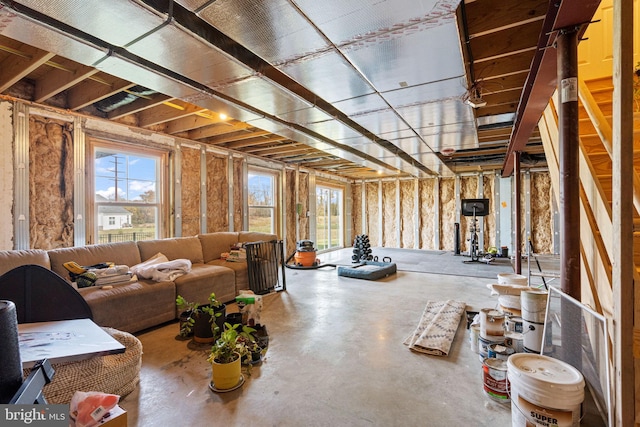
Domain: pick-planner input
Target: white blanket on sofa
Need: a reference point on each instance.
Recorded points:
(159, 268)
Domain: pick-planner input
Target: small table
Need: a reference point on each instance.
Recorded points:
(64, 341)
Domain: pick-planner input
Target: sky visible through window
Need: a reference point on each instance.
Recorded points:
(133, 176)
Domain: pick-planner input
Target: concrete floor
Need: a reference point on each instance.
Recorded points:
(336, 358)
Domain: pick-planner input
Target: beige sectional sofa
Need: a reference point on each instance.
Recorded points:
(139, 305)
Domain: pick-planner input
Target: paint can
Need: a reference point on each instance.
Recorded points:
(514, 340)
(534, 338)
(483, 346)
(491, 324)
(512, 279)
(499, 351)
(513, 324)
(544, 391)
(494, 379)
(534, 305)
(474, 334)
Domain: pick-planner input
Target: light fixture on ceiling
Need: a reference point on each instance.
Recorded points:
(473, 97)
(448, 151)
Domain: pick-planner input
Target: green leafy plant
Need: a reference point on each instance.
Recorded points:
(195, 310)
(231, 344)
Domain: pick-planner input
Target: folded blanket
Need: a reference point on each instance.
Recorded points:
(159, 268)
(110, 271)
(437, 328)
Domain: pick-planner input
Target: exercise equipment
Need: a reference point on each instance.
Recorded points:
(475, 208)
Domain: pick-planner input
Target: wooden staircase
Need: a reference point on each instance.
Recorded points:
(596, 165)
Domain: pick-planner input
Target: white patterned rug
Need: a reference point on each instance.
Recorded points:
(437, 327)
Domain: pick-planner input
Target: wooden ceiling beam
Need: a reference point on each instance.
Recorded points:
(164, 113)
(504, 65)
(280, 154)
(282, 147)
(58, 80)
(506, 41)
(88, 91)
(238, 136)
(217, 129)
(15, 67)
(258, 142)
(487, 16)
(138, 105)
(192, 122)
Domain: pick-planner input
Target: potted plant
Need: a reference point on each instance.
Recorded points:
(226, 355)
(200, 321)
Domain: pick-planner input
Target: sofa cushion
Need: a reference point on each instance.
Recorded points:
(132, 307)
(121, 253)
(214, 244)
(239, 269)
(12, 259)
(255, 236)
(174, 248)
(197, 285)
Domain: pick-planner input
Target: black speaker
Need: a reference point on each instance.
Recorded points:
(10, 364)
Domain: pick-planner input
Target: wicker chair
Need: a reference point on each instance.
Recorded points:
(40, 295)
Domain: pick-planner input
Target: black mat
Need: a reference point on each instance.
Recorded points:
(427, 261)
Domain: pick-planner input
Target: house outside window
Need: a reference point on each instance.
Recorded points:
(127, 193)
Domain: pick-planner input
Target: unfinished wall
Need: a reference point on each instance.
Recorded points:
(488, 182)
(50, 183)
(407, 214)
(356, 212)
(389, 222)
(291, 211)
(373, 213)
(428, 207)
(7, 175)
(447, 213)
(303, 199)
(217, 193)
(238, 185)
(190, 180)
(541, 213)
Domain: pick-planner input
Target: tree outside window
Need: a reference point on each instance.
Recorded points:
(261, 201)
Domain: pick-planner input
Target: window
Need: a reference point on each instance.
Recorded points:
(127, 189)
(262, 201)
(329, 218)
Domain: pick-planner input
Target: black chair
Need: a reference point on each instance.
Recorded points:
(40, 295)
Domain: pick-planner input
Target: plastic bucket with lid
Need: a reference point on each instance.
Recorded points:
(512, 279)
(544, 391)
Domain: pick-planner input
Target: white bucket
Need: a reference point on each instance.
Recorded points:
(544, 391)
(534, 305)
(514, 340)
(512, 279)
(491, 324)
(534, 338)
(474, 334)
(499, 351)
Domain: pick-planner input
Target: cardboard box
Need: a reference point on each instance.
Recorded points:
(117, 418)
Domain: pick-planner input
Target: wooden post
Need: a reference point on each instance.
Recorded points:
(517, 240)
(622, 198)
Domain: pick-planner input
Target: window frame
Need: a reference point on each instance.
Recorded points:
(323, 185)
(276, 208)
(162, 184)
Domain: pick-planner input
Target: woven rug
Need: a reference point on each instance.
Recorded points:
(437, 328)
